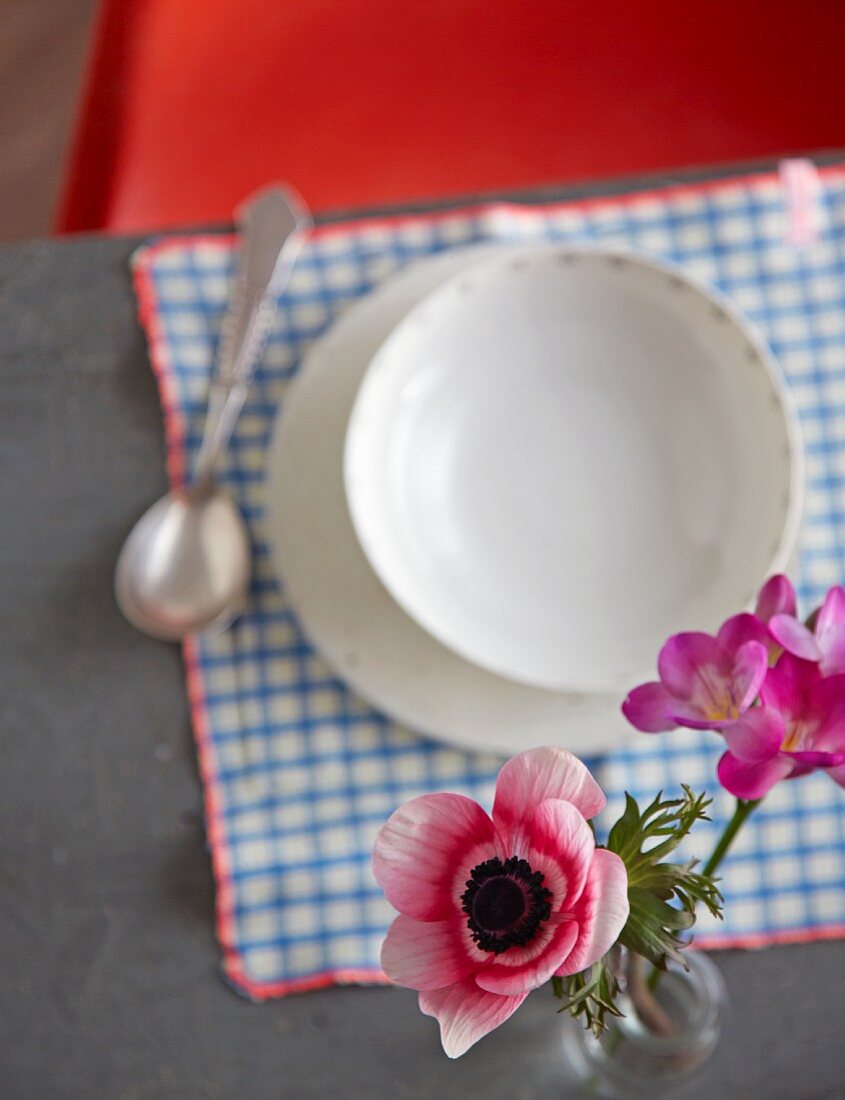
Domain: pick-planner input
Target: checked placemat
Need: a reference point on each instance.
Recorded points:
(298, 772)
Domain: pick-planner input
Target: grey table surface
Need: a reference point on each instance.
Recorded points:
(108, 965)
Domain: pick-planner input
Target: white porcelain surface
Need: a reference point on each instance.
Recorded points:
(560, 457)
(344, 609)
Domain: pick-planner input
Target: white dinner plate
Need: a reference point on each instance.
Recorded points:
(343, 608)
(559, 458)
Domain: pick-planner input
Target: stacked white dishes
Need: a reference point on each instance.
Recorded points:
(507, 474)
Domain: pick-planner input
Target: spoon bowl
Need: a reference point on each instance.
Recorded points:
(185, 566)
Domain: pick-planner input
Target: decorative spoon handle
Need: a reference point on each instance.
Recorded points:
(272, 224)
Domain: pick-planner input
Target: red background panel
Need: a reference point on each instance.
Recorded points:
(190, 104)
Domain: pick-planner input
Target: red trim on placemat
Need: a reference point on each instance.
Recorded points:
(768, 939)
(174, 429)
(664, 194)
(174, 425)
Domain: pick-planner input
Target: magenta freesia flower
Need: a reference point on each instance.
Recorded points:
(825, 643)
(777, 597)
(798, 727)
(491, 908)
(705, 682)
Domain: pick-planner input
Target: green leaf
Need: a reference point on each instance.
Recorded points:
(591, 995)
(662, 896)
(626, 828)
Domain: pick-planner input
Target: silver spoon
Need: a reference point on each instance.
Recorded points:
(185, 567)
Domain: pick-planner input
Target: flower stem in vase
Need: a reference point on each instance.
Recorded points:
(742, 812)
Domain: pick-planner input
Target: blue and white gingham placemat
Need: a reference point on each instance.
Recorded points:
(298, 772)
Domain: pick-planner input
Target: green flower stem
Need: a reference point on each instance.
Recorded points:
(741, 813)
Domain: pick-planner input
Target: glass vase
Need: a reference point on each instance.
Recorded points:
(630, 1059)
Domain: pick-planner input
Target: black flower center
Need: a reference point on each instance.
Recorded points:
(498, 902)
(506, 904)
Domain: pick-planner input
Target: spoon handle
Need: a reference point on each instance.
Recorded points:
(272, 224)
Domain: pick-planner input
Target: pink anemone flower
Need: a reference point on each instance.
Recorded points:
(491, 908)
(705, 682)
(799, 726)
(825, 643)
